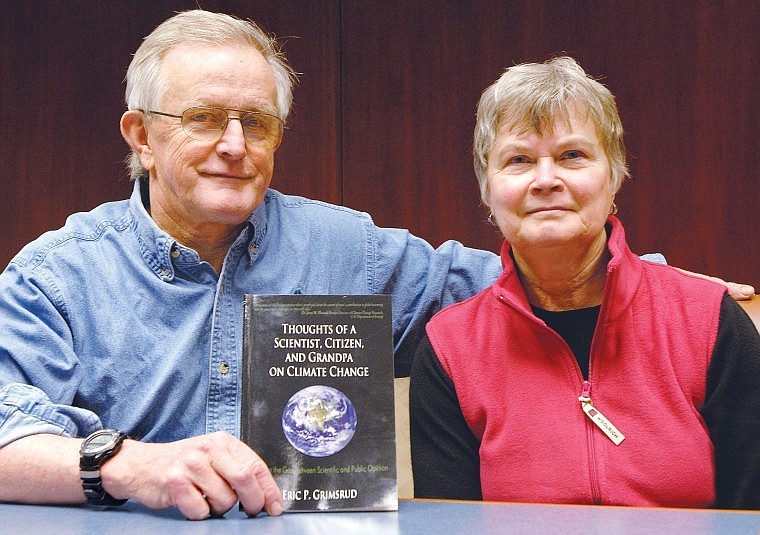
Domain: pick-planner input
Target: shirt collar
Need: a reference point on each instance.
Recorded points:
(156, 245)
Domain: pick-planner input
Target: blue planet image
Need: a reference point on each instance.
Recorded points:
(319, 421)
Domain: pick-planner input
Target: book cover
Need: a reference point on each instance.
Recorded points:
(318, 401)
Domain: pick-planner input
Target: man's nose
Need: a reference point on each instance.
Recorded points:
(233, 140)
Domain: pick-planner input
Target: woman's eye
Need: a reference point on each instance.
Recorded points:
(572, 154)
(518, 159)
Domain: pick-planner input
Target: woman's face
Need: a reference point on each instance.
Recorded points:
(552, 190)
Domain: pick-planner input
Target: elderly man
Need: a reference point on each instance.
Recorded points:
(129, 317)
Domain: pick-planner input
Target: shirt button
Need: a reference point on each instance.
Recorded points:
(165, 272)
(252, 249)
(175, 253)
(224, 369)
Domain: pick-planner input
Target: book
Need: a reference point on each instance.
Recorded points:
(318, 401)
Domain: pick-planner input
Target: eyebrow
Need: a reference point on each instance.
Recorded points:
(568, 141)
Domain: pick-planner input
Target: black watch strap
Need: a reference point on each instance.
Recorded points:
(91, 461)
(95, 493)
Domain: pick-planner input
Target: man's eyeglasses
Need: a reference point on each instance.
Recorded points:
(206, 123)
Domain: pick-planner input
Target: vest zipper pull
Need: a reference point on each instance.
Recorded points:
(597, 417)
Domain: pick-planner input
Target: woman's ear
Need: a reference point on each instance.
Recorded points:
(135, 132)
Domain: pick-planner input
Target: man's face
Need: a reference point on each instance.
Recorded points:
(204, 188)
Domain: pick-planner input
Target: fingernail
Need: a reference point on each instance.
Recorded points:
(275, 509)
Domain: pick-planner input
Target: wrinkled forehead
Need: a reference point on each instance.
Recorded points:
(225, 76)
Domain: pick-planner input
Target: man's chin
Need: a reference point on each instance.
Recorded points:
(232, 217)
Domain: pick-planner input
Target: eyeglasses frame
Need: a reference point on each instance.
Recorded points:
(243, 113)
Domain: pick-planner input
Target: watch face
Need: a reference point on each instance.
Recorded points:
(98, 442)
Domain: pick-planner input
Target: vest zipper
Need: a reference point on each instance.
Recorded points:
(594, 416)
(593, 476)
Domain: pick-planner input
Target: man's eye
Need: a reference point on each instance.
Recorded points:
(518, 159)
(202, 118)
(254, 123)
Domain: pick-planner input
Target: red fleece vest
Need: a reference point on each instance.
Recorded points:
(518, 385)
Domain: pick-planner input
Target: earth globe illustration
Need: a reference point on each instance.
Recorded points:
(319, 421)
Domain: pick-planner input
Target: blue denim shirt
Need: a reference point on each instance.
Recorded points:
(109, 321)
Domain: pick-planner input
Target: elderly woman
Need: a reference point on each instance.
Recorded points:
(583, 374)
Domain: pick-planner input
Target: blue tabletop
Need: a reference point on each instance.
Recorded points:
(413, 517)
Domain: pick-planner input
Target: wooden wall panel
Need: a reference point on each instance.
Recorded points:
(408, 109)
(685, 78)
(682, 73)
(385, 108)
(60, 95)
(62, 66)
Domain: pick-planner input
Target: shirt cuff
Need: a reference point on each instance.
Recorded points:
(26, 410)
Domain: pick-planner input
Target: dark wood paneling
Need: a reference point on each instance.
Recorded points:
(384, 112)
(62, 66)
(60, 94)
(685, 76)
(409, 89)
(682, 72)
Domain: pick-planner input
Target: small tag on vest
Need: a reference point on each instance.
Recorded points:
(601, 422)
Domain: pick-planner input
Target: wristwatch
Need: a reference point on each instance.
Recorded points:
(95, 450)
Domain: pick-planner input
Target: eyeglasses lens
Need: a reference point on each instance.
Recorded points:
(208, 124)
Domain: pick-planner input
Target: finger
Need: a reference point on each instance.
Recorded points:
(191, 502)
(248, 476)
(196, 488)
(272, 494)
(265, 495)
(215, 510)
(219, 495)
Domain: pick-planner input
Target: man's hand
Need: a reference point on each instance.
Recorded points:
(202, 476)
(740, 292)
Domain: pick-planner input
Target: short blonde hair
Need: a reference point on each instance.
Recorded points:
(533, 97)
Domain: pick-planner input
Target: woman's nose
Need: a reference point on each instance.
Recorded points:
(546, 175)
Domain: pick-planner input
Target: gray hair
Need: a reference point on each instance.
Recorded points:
(533, 97)
(146, 86)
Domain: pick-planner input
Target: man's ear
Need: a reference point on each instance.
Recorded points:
(135, 132)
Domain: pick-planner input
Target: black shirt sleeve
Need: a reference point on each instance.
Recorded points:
(445, 458)
(732, 409)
